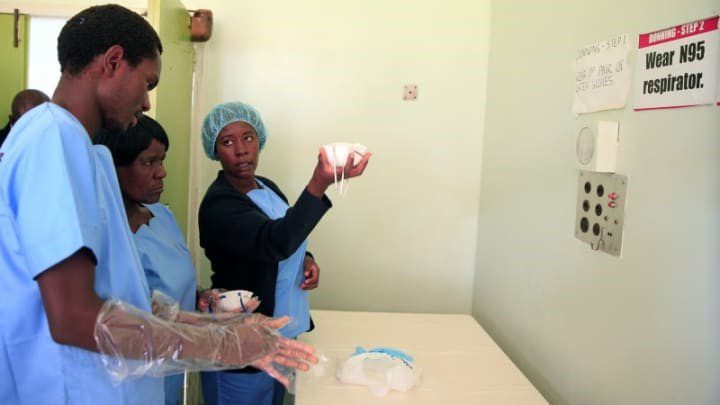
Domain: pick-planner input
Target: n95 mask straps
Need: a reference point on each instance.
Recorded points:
(338, 154)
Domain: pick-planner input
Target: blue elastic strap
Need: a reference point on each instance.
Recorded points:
(386, 350)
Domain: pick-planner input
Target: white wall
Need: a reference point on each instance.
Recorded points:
(588, 328)
(43, 66)
(403, 239)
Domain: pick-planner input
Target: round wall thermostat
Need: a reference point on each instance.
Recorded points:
(585, 147)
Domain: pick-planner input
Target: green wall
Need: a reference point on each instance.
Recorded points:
(14, 61)
(173, 100)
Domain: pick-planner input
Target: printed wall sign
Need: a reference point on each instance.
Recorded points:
(677, 66)
(602, 75)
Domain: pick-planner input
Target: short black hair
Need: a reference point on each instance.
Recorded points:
(94, 30)
(126, 146)
(25, 100)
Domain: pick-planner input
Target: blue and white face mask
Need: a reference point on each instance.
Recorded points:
(382, 369)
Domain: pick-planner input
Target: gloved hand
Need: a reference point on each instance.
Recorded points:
(134, 343)
(164, 307)
(291, 355)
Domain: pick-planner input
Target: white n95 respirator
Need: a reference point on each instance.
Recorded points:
(338, 154)
(382, 369)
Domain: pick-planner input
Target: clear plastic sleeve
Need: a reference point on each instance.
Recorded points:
(134, 343)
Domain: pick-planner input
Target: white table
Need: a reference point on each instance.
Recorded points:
(460, 363)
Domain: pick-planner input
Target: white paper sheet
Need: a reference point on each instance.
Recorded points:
(602, 75)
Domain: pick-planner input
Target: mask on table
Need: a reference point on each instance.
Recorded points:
(382, 369)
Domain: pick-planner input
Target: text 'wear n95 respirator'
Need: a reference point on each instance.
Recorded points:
(338, 154)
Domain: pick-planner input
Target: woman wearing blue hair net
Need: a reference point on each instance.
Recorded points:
(254, 240)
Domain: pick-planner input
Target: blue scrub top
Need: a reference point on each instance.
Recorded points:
(169, 269)
(290, 299)
(165, 257)
(58, 194)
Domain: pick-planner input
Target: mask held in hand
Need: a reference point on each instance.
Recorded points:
(338, 154)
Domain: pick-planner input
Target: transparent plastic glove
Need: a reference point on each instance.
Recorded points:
(290, 374)
(283, 365)
(319, 369)
(134, 343)
(238, 301)
(164, 307)
(228, 318)
(168, 309)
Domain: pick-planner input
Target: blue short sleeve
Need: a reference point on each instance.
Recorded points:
(50, 194)
(58, 194)
(165, 257)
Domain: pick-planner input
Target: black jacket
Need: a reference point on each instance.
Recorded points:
(244, 246)
(4, 133)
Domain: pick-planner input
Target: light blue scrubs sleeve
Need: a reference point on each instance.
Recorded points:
(166, 258)
(58, 214)
(170, 218)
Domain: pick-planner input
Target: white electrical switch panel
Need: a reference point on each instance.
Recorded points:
(601, 210)
(597, 149)
(410, 92)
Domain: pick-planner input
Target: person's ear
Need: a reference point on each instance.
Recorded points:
(112, 58)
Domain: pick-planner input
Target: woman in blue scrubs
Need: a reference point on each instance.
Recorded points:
(255, 240)
(138, 155)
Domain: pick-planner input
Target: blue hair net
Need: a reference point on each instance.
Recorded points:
(227, 113)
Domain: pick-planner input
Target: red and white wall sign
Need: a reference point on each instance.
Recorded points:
(678, 66)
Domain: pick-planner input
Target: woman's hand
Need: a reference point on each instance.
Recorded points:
(325, 173)
(206, 298)
(291, 354)
(312, 274)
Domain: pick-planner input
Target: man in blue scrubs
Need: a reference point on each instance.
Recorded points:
(23, 102)
(68, 267)
(64, 245)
